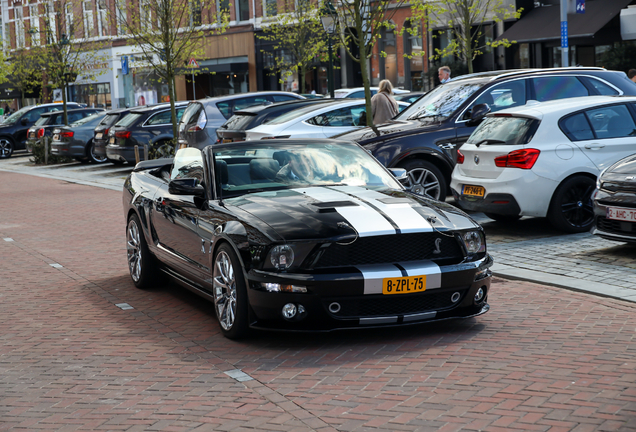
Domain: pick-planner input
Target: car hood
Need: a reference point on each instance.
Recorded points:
(344, 212)
(392, 129)
(624, 167)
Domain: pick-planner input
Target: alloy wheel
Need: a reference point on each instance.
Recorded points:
(6, 148)
(94, 157)
(133, 249)
(423, 182)
(224, 290)
(577, 206)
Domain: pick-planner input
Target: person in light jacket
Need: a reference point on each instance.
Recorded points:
(383, 106)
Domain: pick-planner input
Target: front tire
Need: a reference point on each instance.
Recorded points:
(6, 148)
(424, 178)
(91, 156)
(141, 264)
(230, 293)
(571, 207)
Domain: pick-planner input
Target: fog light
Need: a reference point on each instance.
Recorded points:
(455, 297)
(480, 295)
(334, 307)
(289, 310)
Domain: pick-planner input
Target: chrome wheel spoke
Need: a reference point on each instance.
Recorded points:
(224, 290)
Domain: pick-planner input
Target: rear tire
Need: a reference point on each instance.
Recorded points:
(424, 178)
(6, 148)
(91, 156)
(571, 207)
(141, 264)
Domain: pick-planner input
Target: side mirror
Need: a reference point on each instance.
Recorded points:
(400, 175)
(24, 121)
(186, 186)
(478, 113)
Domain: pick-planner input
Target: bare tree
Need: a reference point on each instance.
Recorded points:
(169, 33)
(359, 25)
(465, 19)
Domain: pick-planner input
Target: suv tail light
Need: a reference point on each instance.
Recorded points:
(67, 134)
(460, 157)
(106, 131)
(40, 133)
(523, 159)
(122, 134)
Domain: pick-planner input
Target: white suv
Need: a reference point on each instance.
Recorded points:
(542, 159)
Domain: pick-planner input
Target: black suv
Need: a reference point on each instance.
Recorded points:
(13, 130)
(48, 121)
(424, 138)
(101, 131)
(149, 125)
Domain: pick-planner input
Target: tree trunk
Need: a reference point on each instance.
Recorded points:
(363, 63)
(64, 87)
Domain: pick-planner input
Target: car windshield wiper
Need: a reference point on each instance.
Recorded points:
(489, 141)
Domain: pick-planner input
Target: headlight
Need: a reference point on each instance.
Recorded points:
(599, 182)
(282, 257)
(474, 242)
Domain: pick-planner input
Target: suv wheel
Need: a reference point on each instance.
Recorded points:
(6, 148)
(424, 178)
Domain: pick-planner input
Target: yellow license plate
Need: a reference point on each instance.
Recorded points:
(227, 140)
(404, 285)
(56, 137)
(477, 191)
(112, 140)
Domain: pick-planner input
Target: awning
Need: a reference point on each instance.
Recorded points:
(8, 91)
(544, 23)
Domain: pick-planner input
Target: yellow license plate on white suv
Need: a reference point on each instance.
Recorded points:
(475, 191)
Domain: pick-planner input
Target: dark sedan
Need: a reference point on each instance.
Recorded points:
(101, 130)
(614, 202)
(47, 122)
(150, 125)
(76, 139)
(302, 235)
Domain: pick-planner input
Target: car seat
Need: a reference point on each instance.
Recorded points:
(263, 170)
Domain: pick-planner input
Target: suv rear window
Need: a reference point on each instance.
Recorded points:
(499, 130)
(109, 120)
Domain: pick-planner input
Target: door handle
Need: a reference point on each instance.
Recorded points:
(594, 146)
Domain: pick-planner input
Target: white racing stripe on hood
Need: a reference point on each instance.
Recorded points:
(366, 220)
(403, 215)
(428, 268)
(373, 275)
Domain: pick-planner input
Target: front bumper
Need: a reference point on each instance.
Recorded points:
(344, 300)
(612, 229)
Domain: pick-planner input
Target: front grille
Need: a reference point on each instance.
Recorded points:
(616, 227)
(397, 304)
(392, 249)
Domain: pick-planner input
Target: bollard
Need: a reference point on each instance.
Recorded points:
(136, 154)
(145, 151)
(46, 149)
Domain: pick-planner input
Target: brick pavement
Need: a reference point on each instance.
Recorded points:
(70, 359)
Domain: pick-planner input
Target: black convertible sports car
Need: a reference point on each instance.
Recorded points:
(302, 235)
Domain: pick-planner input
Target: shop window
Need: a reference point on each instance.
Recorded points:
(93, 95)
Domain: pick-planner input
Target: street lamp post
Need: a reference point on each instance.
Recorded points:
(329, 24)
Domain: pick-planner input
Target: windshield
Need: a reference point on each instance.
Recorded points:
(16, 116)
(247, 168)
(91, 118)
(442, 101)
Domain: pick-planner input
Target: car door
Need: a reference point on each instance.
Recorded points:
(175, 216)
(604, 134)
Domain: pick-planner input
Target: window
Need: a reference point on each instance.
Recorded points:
(69, 21)
(600, 86)
(121, 17)
(505, 95)
(551, 88)
(34, 20)
(34, 114)
(612, 122)
(89, 26)
(19, 26)
(270, 7)
(195, 13)
(223, 8)
(242, 10)
(50, 23)
(164, 117)
(339, 117)
(283, 98)
(145, 15)
(505, 131)
(102, 18)
(577, 128)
